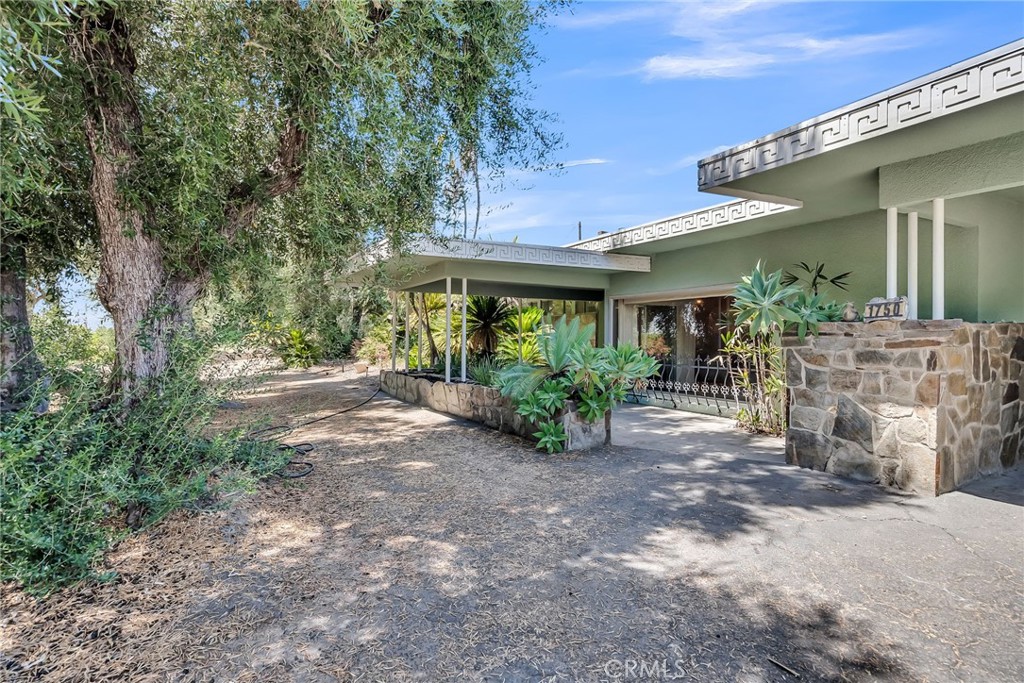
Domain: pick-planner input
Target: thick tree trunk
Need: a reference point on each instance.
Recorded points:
(20, 369)
(148, 303)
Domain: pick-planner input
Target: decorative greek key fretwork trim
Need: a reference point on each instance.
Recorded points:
(674, 226)
(990, 76)
(531, 255)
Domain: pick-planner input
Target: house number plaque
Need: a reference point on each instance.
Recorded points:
(886, 309)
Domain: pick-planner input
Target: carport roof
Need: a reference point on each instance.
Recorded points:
(506, 269)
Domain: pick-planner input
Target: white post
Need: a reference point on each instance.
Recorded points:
(938, 259)
(448, 330)
(408, 333)
(419, 332)
(463, 329)
(609, 311)
(912, 294)
(519, 302)
(394, 330)
(891, 249)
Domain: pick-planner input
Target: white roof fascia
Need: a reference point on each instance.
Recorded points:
(528, 254)
(990, 76)
(683, 224)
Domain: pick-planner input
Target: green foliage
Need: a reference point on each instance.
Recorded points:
(767, 305)
(594, 403)
(815, 277)
(551, 437)
(761, 302)
(484, 370)
(571, 369)
(70, 474)
(486, 318)
(520, 335)
(69, 350)
(552, 394)
(556, 348)
(534, 408)
(295, 348)
(299, 352)
(375, 347)
(758, 369)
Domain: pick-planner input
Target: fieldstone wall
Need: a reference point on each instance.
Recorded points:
(920, 405)
(487, 406)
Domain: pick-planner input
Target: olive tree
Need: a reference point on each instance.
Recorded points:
(216, 129)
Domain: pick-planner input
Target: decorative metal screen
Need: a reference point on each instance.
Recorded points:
(691, 384)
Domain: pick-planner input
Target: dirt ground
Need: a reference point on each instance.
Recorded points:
(425, 549)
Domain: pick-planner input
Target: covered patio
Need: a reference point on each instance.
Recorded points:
(460, 268)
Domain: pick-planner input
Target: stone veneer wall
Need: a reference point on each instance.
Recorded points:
(485, 405)
(924, 406)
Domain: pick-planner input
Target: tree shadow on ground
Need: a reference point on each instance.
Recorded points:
(422, 549)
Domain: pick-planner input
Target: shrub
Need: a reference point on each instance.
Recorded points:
(67, 475)
(485, 371)
(572, 369)
(767, 305)
(298, 351)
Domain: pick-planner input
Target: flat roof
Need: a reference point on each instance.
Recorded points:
(987, 77)
(685, 223)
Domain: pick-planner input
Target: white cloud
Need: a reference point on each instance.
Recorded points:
(742, 59)
(688, 160)
(742, 38)
(585, 162)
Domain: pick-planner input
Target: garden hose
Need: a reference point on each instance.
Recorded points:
(295, 469)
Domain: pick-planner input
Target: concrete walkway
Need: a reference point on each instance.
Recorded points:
(678, 431)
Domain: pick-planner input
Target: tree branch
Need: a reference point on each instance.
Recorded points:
(279, 177)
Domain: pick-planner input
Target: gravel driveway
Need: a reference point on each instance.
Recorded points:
(426, 549)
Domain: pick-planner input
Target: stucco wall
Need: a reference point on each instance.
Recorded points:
(855, 243)
(969, 169)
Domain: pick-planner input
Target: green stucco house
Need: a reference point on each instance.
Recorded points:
(918, 191)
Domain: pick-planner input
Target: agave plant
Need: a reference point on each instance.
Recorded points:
(570, 368)
(761, 302)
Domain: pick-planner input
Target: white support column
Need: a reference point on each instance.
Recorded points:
(912, 295)
(519, 303)
(394, 329)
(408, 333)
(938, 259)
(463, 329)
(891, 251)
(419, 341)
(448, 330)
(609, 321)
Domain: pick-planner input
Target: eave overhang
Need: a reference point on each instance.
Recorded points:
(985, 78)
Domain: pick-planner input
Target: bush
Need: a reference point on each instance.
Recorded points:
(767, 305)
(66, 348)
(485, 371)
(298, 351)
(572, 369)
(69, 475)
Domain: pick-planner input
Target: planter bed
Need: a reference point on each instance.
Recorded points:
(485, 405)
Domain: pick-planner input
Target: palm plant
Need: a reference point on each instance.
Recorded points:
(814, 277)
(486, 318)
(518, 342)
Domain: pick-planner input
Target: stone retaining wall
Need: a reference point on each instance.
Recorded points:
(924, 406)
(487, 406)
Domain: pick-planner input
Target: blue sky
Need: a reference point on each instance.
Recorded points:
(645, 89)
